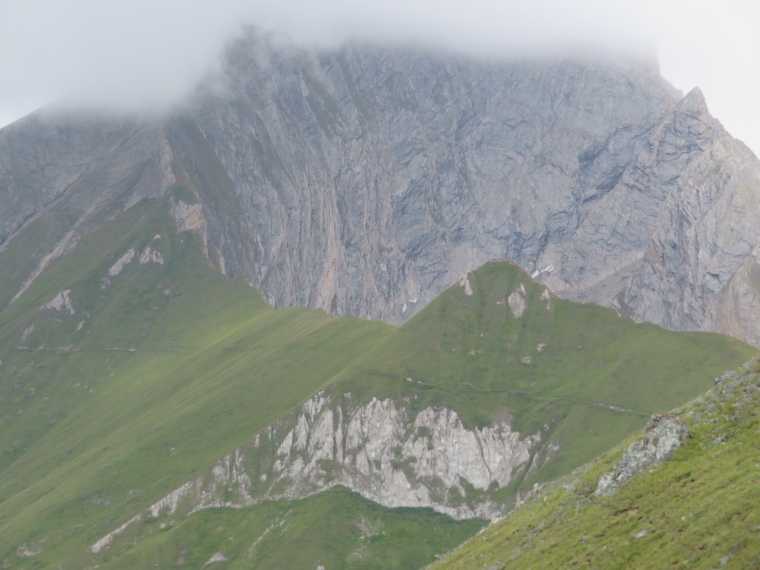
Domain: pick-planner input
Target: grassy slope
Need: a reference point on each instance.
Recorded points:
(597, 378)
(556, 388)
(338, 529)
(91, 434)
(174, 366)
(699, 509)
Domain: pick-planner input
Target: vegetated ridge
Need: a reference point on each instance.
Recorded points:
(131, 367)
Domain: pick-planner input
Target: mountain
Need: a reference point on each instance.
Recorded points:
(365, 181)
(185, 379)
(153, 411)
(699, 507)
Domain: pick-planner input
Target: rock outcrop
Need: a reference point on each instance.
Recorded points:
(380, 449)
(663, 434)
(367, 180)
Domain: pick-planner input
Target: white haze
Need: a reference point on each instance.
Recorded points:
(147, 55)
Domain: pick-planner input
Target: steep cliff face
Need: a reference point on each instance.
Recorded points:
(379, 449)
(390, 174)
(394, 458)
(694, 271)
(366, 181)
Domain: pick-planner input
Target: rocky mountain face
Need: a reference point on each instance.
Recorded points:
(61, 176)
(367, 180)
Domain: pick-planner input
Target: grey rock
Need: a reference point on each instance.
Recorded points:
(61, 302)
(366, 181)
(663, 434)
(379, 449)
(642, 533)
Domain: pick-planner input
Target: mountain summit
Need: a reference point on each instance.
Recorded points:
(367, 180)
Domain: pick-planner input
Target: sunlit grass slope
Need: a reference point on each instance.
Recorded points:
(700, 509)
(120, 382)
(468, 351)
(337, 529)
(589, 375)
(161, 370)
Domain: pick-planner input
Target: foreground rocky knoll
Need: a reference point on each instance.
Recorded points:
(367, 180)
(683, 494)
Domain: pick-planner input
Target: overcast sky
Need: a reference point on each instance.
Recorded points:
(148, 54)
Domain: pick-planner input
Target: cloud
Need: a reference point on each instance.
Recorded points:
(713, 44)
(148, 54)
(140, 53)
(483, 26)
(135, 53)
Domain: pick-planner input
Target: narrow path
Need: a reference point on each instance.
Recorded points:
(516, 391)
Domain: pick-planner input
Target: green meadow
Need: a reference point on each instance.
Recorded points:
(161, 369)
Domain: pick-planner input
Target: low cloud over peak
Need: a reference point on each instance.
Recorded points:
(149, 54)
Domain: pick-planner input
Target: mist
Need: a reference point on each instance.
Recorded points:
(148, 54)
(142, 55)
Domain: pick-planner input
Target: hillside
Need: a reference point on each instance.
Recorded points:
(142, 390)
(700, 508)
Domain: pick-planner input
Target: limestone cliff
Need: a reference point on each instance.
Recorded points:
(379, 449)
